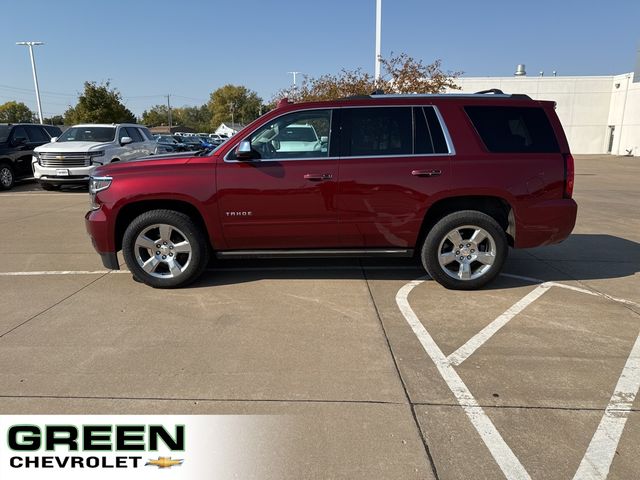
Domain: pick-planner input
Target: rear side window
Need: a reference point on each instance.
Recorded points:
(428, 135)
(513, 129)
(377, 131)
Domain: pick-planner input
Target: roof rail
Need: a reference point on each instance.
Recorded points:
(496, 91)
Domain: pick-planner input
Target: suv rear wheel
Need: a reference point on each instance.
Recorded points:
(7, 179)
(465, 250)
(165, 249)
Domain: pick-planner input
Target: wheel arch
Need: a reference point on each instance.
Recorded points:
(497, 207)
(131, 210)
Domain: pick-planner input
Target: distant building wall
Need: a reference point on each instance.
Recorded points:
(587, 107)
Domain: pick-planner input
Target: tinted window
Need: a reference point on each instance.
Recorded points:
(134, 134)
(37, 134)
(513, 129)
(147, 134)
(52, 130)
(428, 135)
(19, 133)
(377, 131)
(4, 132)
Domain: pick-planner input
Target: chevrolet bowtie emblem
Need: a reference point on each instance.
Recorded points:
(59, 157)
(164, 462)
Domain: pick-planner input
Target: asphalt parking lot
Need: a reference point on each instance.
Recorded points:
(378, 372)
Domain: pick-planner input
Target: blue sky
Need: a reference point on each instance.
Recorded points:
(189, 48)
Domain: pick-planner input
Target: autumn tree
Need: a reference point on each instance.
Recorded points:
(15, 112)
(234, 103)
(401, 74)
(99, 103)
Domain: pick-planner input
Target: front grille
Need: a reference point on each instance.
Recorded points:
(66, 159)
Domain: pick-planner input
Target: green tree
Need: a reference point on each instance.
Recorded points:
(156, 115)
(401, 74)
(15, 112)
(233, 103)
(99, 103)
(55, 120)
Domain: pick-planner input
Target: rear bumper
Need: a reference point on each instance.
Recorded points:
(545, 223)
(99, 231)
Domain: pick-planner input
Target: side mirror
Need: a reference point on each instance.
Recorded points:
(324, 139)
(126, 140)
(53, 139)
(245, 152)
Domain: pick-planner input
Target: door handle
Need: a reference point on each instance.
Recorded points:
(318, 177)
(426, 173)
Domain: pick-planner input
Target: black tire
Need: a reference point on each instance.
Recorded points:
(477, 256)
(7, 176)
(182, 227)
(50, 187)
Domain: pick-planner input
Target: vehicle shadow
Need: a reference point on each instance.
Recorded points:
(580, 257)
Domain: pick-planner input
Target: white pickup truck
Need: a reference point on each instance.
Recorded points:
(70, 158)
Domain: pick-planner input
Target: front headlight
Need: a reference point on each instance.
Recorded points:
(94, 155)
(97, 184)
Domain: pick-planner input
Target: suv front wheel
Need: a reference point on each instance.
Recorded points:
(7, 178)
(165, 249)
(465, 250)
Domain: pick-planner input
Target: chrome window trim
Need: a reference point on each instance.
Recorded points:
(443, 126)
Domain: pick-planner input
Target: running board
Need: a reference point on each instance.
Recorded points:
(320, 253)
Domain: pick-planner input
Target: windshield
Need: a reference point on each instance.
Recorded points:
(88, 134)
(4, 133)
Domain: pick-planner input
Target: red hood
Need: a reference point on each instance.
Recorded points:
(141, 164)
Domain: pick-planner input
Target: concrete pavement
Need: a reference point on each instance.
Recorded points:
(326, 345)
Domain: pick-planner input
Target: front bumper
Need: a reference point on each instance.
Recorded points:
(76, 175)
(99, 231)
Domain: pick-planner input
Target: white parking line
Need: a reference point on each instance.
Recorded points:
(461, 354)
(596, 463)
(60, 272)
(597, 460)
(502, 454)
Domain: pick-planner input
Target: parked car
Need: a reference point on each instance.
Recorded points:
(297, 138)
(71, 157)
(191, 143)
(167, 143)
(17, 142)
(453, 179)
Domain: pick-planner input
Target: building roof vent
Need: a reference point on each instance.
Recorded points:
(520, 71)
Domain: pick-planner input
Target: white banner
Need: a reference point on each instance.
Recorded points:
(169, 447)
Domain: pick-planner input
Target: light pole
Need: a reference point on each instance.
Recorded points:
(295, 76)
(378, 38)
(35, 75)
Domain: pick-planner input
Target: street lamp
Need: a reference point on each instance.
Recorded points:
(35, 75)
(378, 38)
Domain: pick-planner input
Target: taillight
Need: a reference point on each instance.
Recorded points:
(569, 174)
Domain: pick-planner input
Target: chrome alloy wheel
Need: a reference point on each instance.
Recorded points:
(467, 252)
(6, 176)
(162, 251)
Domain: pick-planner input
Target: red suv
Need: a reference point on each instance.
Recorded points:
(453, 179)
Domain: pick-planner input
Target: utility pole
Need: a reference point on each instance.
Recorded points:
(35, 75)
(378, 38)
(169, 110)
